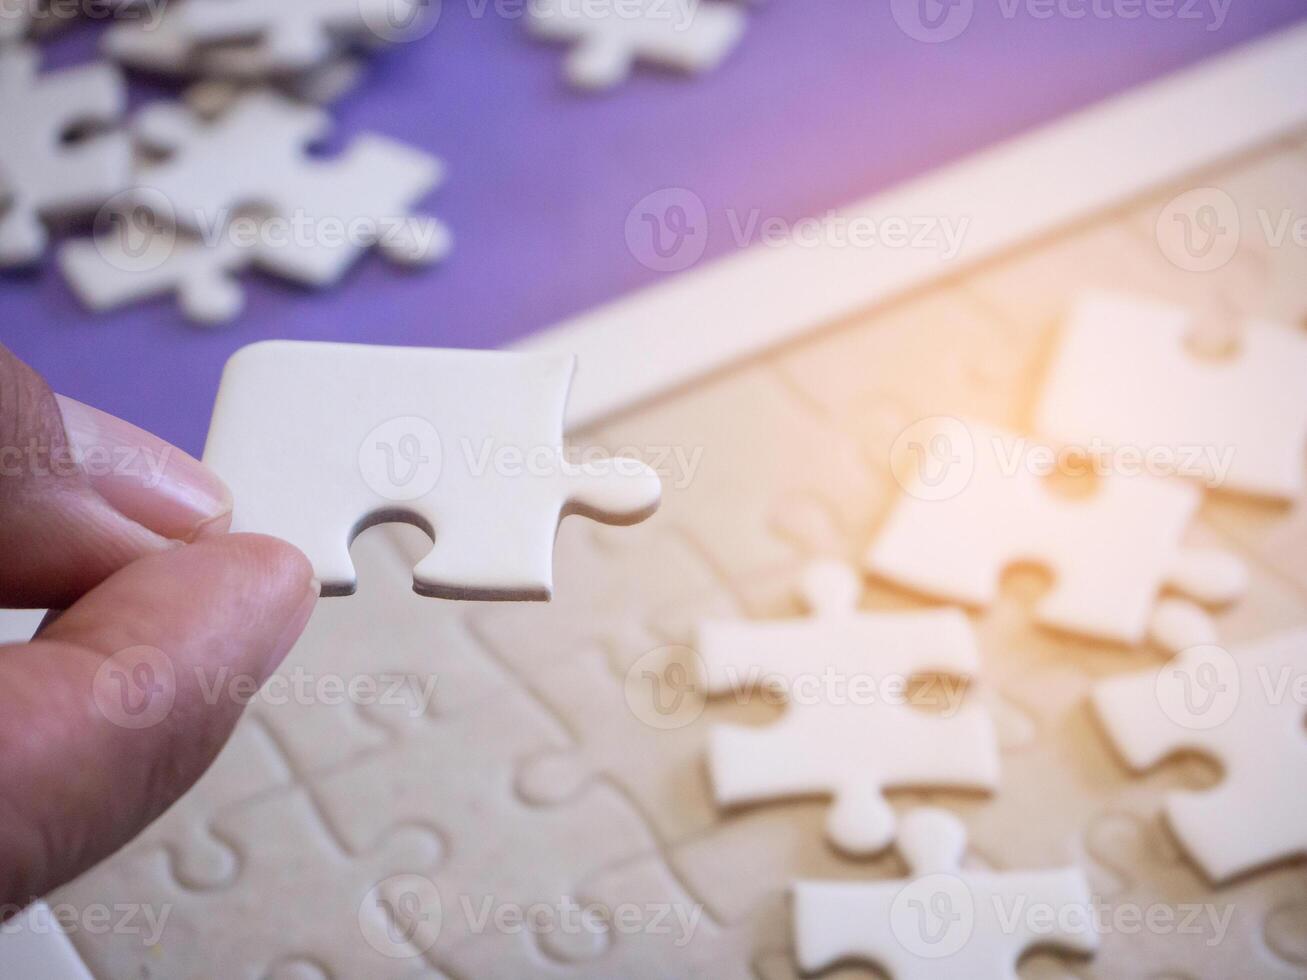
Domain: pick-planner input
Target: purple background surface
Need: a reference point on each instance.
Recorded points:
(823, 102)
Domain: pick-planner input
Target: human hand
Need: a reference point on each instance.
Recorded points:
(104, 718)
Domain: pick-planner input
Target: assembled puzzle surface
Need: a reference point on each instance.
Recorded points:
(549, 764)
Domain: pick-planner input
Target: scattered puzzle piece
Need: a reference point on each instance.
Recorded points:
(1246, 710)
(243, 191)
(127, 263)
(1123, 381)
(466, 444)
(943, 922)
(299, 902)
(42, 174)
(851, 729)
(609, 36)
(977, 501)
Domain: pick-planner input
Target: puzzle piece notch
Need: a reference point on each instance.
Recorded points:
(1123, 377)
(897, 925)
(1111, 554)
(688, 35)
(1245, 709)
(835, 743)
(41, 175)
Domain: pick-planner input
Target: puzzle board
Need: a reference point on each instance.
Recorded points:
(350, 860)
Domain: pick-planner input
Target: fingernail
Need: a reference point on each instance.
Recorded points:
(143, 477)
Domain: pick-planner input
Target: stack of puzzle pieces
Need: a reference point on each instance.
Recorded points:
(187, 195)
(921, 668)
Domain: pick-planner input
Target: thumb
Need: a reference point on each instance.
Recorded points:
(83, 493)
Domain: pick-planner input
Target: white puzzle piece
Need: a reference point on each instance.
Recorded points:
(981, 503)
(609, 36)
(32, 944)
(1123, 380)
(943, 923)
(19, 625)
(288, 36)
(850, 729)
(123, 264)
(41, 173)
(319, 440)
(1244, 708)
(243, 191)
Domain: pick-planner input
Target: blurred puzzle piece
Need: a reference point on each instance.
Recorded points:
(1245, 709)
(851, 746)
(943, 922)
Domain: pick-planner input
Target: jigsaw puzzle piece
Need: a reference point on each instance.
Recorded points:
(317, 216)
(456, 775)
(373, 666)
(42, 173)
(943, 921)
(298, 900)
(127, 264)
(836, 741)
(1244, 709)
(977, 501)
(19, 625)
(466, 444)
(32, 943)
(1123, 379)
(610, 36)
